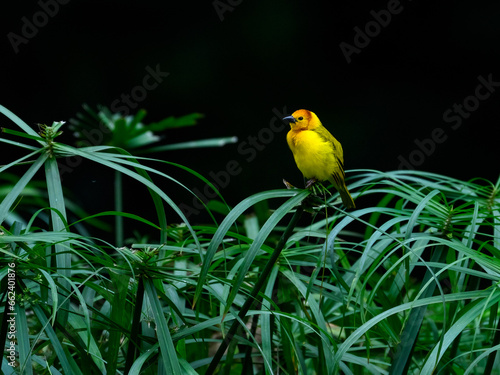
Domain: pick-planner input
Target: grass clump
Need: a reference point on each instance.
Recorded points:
(407, 283)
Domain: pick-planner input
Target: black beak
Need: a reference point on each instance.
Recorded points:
(289, 119)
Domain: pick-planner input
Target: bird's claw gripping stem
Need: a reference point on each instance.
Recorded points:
(310, 182)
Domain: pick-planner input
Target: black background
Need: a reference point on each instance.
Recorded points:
(236, 66)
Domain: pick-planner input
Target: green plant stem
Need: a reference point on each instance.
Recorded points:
(410, 333)
(256, 289)
(248, 363)
(136, 325)
(496, 340)
(118, 208)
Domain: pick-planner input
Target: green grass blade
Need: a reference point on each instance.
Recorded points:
(496, 228)
(136, 368)
(23, 135)
(53, 292)
(265, 319)
(17, 190)
(326, 346)
(226, 224)
(46, 237)
(457, 328)
(269, 225)
(56, 198)
(186, 367)
(68, 364)
(259, 283)
(19, 144)
(167, 348)
(82, 328)
(414, 323)
(361, 330)
(119, 315)
(116, 213)
(416, 212)
(290, 348)
(472, 369)
(204, 143)
(59, 223)
(126, 159)
(23, 340)
(118, 198)
(110, 161)
(27, 129)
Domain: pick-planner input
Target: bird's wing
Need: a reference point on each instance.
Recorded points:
(336, 147)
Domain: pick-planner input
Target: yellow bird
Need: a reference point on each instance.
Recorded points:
(318, 154)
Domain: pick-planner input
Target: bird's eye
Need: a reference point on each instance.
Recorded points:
(300, 118)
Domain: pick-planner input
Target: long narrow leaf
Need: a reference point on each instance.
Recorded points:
(265, 319)
(167, 348)
(59, 222)
(226, 225)
(17, 121)
(9, 200)
(360, 331)
(269, 225)
(328, 350)
(19, 144)
(101, 159)
(457, 328)
(81, 326)
(23, 341)
(215, 142)
(68, 363)
(136, 368)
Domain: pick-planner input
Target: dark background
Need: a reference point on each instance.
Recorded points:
(236, 67)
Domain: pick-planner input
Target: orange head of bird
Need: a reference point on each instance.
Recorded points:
(302, 119)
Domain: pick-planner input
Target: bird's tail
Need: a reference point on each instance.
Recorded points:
(344, 193)
(346, 197)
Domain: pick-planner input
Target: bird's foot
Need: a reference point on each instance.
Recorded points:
(310, 183)
(317, 188)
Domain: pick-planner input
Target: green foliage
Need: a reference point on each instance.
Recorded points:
(407, 283)
(131, 134)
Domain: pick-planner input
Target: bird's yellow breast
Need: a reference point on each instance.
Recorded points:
(313, 154)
